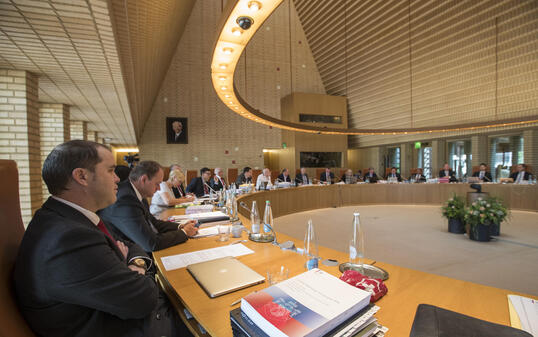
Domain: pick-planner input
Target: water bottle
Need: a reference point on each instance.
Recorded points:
(356, 244)
(310, 247)
(268, 218)
(254, 219)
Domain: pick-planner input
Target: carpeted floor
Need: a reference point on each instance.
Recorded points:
(416, 237)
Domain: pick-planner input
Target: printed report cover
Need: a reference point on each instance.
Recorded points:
(309, 304)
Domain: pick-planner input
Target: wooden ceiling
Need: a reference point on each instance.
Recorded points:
(106, 59)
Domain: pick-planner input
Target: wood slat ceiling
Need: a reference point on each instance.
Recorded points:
(106, 59)
(71, 47)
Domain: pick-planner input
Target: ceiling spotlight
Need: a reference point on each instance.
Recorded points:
(245, 22)
(223, 66)
(227, 96)
(223, 88)
(254, 6)
(222, 78)
(227, 50)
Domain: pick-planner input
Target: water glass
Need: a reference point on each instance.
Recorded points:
(224, 233)
(277, 274)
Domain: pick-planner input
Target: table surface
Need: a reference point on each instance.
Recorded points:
(406, 287)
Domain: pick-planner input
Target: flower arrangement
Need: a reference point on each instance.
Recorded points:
(454, 208)
(485, 212)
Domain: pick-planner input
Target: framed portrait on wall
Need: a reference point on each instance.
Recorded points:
(177, 131)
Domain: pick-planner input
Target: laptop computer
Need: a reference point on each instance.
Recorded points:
(222, 276)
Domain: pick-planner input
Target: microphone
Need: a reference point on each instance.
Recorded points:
(209, 187)
(221, 181)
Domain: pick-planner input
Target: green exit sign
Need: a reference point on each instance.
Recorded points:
(284, 145)
(417, 145)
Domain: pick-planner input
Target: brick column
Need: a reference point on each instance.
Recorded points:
(479, 149)
(439, 156)
(54, 130)
(530, 150)
(19, 135)
(406, 160)
(92, 135)
(79, 129)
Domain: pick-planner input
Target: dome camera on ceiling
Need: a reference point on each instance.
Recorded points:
(244, 22)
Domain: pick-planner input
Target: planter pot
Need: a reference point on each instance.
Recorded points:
(456, 226)
(480, 232)
(495, 229)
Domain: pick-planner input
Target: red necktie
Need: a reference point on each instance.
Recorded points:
(103, 229)
(206, 191)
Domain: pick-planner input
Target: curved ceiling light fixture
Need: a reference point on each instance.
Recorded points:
(240, 21)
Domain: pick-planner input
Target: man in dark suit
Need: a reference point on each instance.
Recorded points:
(371, 176)
(482, 174)
(446, 171)
(327, 177)
(302, 178)
(218, 182)
(177, 134)
(130, 219)
(418, 177)
(245, 177)
(284, 176)
(199, 185)
(394, 175)
(521, 174)
(71, 277)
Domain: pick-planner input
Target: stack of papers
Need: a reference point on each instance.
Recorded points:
(182, 260)
(204, 219)
(524, 313)
(195, 209)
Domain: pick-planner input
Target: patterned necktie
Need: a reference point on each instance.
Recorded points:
(206, 190)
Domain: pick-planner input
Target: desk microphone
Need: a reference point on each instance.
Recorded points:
(210, 187)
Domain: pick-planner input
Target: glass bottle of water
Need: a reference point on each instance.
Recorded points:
(356, 244)
(310, 247)
(254, 218)
(268, 218)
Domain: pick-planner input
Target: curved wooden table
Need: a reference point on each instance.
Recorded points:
(407, 287)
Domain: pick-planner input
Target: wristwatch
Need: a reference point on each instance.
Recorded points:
(139, 263)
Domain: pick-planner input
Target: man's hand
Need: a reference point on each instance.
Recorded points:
(190, 229)
(139, 270)
(123, 248)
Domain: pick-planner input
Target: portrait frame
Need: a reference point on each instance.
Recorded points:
(183, 136)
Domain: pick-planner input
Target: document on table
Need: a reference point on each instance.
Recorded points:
(182, 260)
(527, 312)
(207, 231)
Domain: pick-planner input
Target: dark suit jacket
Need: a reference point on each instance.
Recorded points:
(241, 179)
(196, 186)
(217, 186)
(450, 173)
(323, 177)
(72, 280)
(372, 179)
(526, 176)
(487, 175)
(181, 139)
(299, 178)
(130, 219)
(414, 176)
(398, 176)
(179, 191)
(284, 179)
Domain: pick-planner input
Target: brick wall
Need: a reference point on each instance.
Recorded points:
(54, 129)
(79, 129)
(218, 136)
(19, 134)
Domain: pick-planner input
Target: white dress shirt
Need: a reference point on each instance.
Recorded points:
(261, 179)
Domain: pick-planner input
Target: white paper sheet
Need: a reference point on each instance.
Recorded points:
(527, 310)
(182, 260)
(208, 231)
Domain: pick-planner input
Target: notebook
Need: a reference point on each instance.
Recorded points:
(225, 275)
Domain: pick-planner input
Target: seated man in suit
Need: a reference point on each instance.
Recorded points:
(327, 177)
(71, 277)
(245, 177)
(521, 174)
(263, 181)
(371, 176)
(284, 176)
(130, 219)
(302, 178)
(348, 177)
(446, 171)
(217, 183)
(482, 174)
(359, 175)
(394, 175)
(199, 185)
(418, 177)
